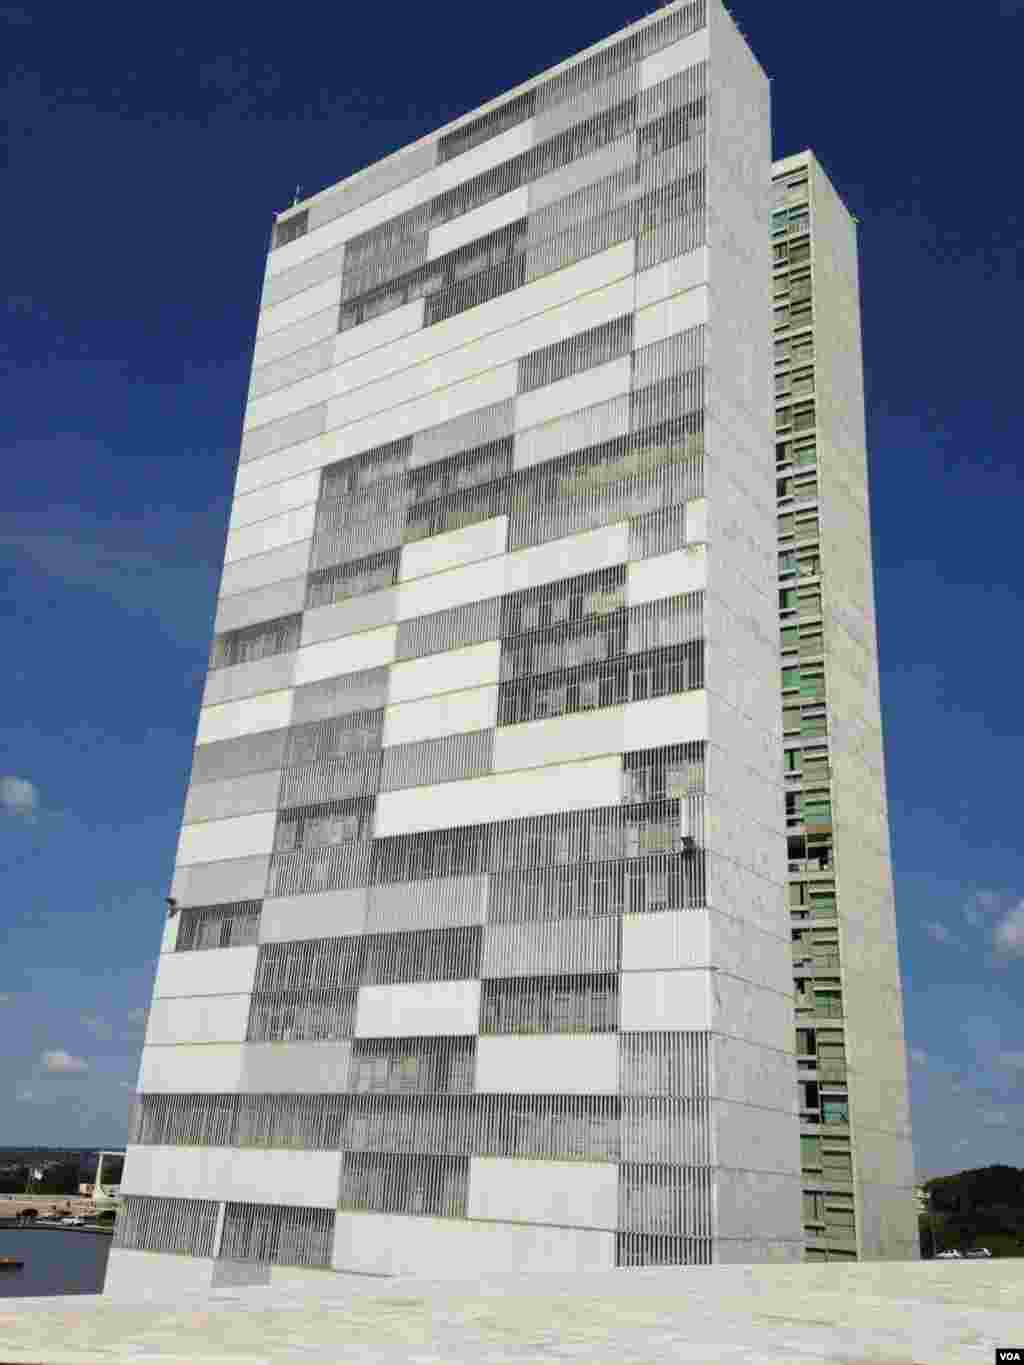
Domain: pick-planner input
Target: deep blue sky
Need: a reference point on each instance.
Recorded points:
(149, 148)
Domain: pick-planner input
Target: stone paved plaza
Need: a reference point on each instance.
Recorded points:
(933, 1313)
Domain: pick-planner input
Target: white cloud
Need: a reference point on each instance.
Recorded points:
(1008, 935)
(61, 1061)
(18, 797)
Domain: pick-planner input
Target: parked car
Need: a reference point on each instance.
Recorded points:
(978, 1253)
(75, 1221)
(948, 1256)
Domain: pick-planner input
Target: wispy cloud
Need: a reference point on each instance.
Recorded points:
(941, 934)
(19, 798)
(62, 1062)
(99, 1027)
(980, 906)
(1008, 934)
(176, 590)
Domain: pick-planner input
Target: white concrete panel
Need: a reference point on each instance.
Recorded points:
(562, 739)
(556, 1064)
(449, 1248)
(232, 796)
(241, 609)
(479, 222)
(304, 305)
(137, 1276)
(270, 534)
(687, 52)
(249, 680)
(672, 277)
(295, 1068)
(574, 431)
(666, 720)
(326, 914)
(427, 1009)
(350, 654)
(220, 971)
(578, 391)
(483, 157)
(670, 316)
(405, 403)
(558, 559)
(352, 615)
(454, 670)
(289, 340)
(287, 463)
(273, 500)
(379, 332)
(269, 711)
(668, 941)
(453, 588)
(567, 1194)
(455, 713)
(649, 580)
(237, 879)
(665, 1000)
(543, 791)
(611, 730)
(279, 566)
(697, 520)
(214, 840)
(252, 1175)
(467, 545)
(211, 1070)
(290, 398)
(198, 1019)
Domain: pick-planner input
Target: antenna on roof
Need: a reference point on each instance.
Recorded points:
(298, 191)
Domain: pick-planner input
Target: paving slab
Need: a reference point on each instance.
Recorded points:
(892, 1313)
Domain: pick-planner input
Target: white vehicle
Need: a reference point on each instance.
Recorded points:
(74, 1221)
(978, 1253)
(948, 1256)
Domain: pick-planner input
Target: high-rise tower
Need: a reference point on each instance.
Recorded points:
(482, 955)
(852, 1073)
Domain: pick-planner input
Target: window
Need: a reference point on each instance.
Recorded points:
(235, 925)
(291, 229)
(256, 642)
(835, 1111)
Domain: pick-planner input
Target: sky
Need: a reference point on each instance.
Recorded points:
(148, 150)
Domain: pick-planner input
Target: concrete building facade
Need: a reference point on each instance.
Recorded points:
(856, 1153)
(482, 957)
